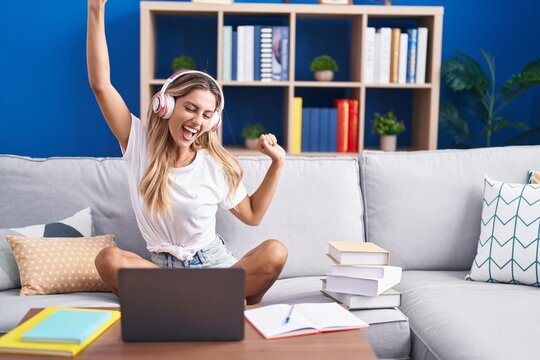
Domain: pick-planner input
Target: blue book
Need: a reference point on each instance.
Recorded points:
(332, 130)
(285, 53)
(67, 326)
(306, 129)
(234, 55)
(257, 53)
(323, 129)
(314, 130)
(411, 55)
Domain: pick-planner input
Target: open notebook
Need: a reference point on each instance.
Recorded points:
(309, 318)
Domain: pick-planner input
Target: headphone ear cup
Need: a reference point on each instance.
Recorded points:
(168, 106)
(216, 119)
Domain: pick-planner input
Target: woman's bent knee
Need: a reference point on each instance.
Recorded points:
(277, 252)
(107, 259)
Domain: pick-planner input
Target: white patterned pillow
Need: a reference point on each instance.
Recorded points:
(78, 225)
(509, 246)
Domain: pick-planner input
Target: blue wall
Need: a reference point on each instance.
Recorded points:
(48, 109)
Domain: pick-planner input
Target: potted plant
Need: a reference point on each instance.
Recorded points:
(183, 62)
(251, 133)
(323, 67)
(466, 76)
(388, 127)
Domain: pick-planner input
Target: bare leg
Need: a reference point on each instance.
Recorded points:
(110, 259)
(262, 265)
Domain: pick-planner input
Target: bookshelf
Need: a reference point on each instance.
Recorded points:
(425, 97)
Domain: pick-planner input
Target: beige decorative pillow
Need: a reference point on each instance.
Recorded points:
(58, 265)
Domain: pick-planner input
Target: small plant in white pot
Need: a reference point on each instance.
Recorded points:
(388, 127)
(323, 67)
(251, 134)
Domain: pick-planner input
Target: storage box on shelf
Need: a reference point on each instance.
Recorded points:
(352, 82)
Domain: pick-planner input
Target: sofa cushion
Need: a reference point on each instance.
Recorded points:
(14, 307)
(55, 188)
(318, 199)
(451, 318)
(80, 224)
(508, 246)
(388, 331)
(425, 206)
(58, 265)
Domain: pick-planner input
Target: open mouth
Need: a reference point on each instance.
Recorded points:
(188, 132)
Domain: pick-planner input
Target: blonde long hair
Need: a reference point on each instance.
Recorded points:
(162, 149)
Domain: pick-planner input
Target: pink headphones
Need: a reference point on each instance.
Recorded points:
(163, 103)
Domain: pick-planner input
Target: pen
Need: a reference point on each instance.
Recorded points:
(288, 316)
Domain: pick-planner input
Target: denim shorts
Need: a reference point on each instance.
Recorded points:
(215, 255)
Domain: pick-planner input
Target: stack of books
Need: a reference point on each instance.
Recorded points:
(58, 331)
(362, 277)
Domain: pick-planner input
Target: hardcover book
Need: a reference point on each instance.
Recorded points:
(357, 253)
(388, 299)
(12, 342)
(362, 285)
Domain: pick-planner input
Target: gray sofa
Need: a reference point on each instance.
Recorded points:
(424, 207)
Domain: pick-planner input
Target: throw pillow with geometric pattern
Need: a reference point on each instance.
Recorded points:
(509, 246)
(78, 225)
(534, 177)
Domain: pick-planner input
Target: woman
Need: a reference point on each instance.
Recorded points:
(179, 174)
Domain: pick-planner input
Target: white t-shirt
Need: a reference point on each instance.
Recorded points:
(195, 192)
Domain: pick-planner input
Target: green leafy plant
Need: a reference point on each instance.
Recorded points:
(463, 74)
(387, 124)
(183, 62)
(323, 62)
(253, 131)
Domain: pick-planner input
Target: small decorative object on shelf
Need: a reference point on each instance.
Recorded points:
(323, 67)
(251, 133)
(183, 62)
(386, 2)
(335, 2)
(388, 127)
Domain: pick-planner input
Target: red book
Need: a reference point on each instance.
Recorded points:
(353, 126)
(342, 106)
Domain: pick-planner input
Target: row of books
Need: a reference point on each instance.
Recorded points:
(58, 331)
(362, 277)
(255, 53)
(393, 56)
(325, 129)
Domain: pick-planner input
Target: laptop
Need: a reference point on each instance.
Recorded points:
(182, 304)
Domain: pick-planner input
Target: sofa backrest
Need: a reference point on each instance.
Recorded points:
(318, 199)
(38, 191)
(425, 207)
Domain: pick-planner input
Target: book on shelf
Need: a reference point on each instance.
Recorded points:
(257, 53)
(240, 51)
(296, 126)
(421, 55)
(369, 55)
(234, 55)
(367, 286)
(402, 73)
(411, 55)
(227, 53)
(13, 342)
(388, 299)
(342, 106)
(357, 253)
(394, 56)
(266, 53)
(249, 44)
(352, 143)
(385, 48)
(304, 319)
